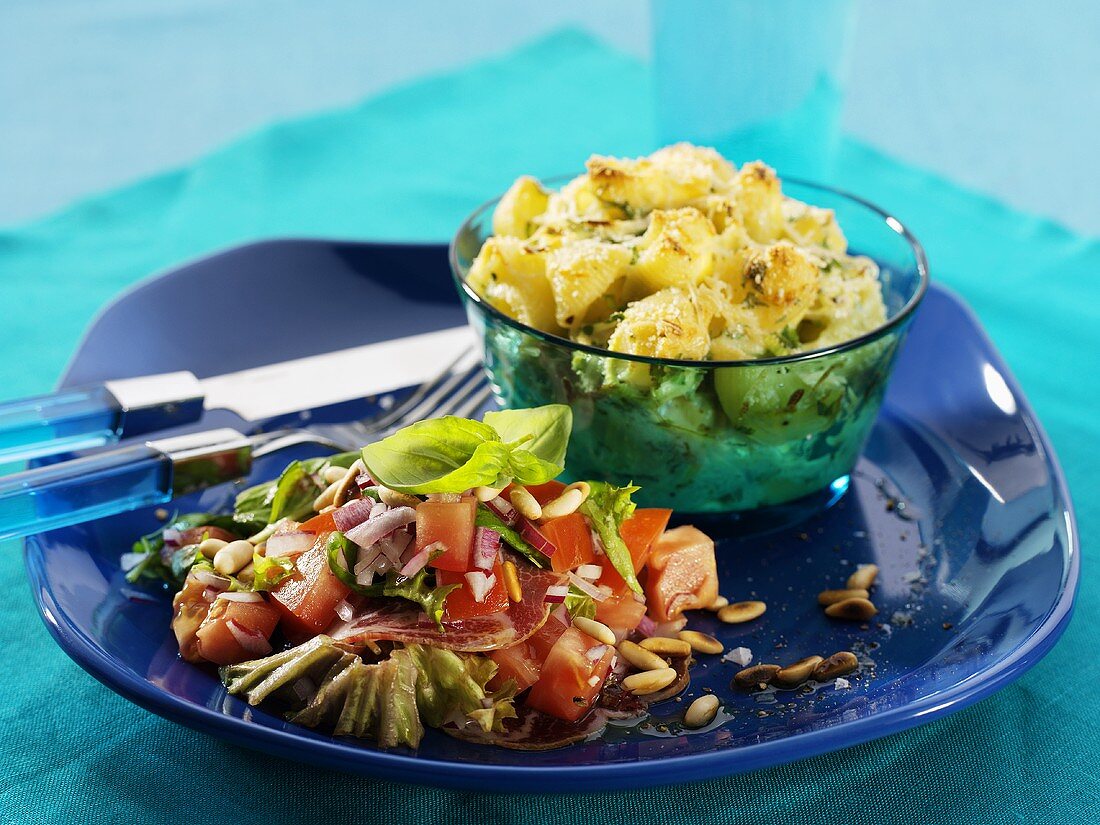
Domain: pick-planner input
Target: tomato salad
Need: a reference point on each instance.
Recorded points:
(440, 578)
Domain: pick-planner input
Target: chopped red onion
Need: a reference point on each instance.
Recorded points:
(172, 537)
(647, 627)
(344, 610)
(209, 594)
(590, 571)
(532, 536)
(351, 514)
(373, 529)
(594, 654)
(671, 627)
(253, 643)
(128, 561)
(556, 594)
(365, 577)
(504, 510)
(586, 587)
(212, 579)
(289, 544)
(367, 560)
(363, 481)
(480, 584)
(417, 562)
(241, 596)
(378, 509)
(486, 548)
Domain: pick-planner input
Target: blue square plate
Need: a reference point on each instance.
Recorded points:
(958, 498)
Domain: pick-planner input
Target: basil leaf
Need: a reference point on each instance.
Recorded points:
(487, 518)
(546, 427)
(442, 455)
(527, 468)
(607, 507)
(257, 505)
(183, 559)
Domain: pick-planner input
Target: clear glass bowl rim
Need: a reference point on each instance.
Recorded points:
(896, 322)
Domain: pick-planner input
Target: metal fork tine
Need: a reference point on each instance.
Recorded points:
(456, 388)
(441, 383)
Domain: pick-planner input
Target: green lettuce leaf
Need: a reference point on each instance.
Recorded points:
(580, 605)
(607, 507)
(389, 701)
(270, 572)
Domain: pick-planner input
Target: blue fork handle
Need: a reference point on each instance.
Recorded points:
(119, 480)
(96, 415)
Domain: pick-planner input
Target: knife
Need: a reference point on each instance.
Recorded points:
(99, 414)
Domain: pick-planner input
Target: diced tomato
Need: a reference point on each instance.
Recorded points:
(451, 523)
(307, 600)
(681, 573)
(621, 612)
(572, 541)
(460, 602)
(321, 523)
(572, 676)
(639, 532)
(523, 662)
(518, 663)
(217, 642)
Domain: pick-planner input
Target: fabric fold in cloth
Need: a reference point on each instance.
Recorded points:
(409, 165)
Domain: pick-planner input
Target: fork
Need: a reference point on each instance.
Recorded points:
(127, 478)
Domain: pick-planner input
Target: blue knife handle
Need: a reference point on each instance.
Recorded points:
(116, 481)
(83, 417)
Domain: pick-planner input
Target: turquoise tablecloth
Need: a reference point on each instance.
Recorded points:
(408, 165)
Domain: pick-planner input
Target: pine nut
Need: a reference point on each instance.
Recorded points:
(799, 672)
(327, 496)
(583, 486)
(247, 574)
(333, 473)
(564, 505)
(523, 501)
(852, 610)
(664, 646)
(701, 712)
(233, 557)
(641, 658)
(700, 642)
(839, 664)
(511, 582)
(863, 578)
(597, 630)
(396, 499)
(755, 676)
(718, 604)
(208, 547)
(649, 681)
(739, 612)
(828, 597)
(487, 493)
(348, 481)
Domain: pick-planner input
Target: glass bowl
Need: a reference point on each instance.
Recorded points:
(716, 436)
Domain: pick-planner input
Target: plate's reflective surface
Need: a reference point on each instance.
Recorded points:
(957, 499)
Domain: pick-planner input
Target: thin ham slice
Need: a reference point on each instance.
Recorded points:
(398, 621)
